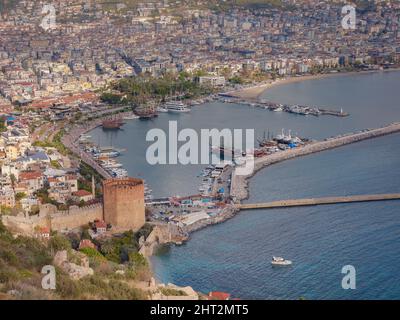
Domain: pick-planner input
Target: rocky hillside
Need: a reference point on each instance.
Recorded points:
(84, 274)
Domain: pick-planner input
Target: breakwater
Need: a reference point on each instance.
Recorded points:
(319, 201)
(239, 185)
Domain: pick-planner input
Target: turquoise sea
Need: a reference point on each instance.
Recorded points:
(235, 256)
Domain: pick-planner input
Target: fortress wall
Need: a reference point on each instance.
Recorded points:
(54, 220)
(76, 217)
(19, 225)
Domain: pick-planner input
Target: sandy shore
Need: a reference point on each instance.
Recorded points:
(254, 93)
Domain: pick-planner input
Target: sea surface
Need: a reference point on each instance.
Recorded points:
(235, 256)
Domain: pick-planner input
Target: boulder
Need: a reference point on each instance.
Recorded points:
(60, 257)
(77, 272)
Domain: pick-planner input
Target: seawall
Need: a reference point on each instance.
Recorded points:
(239, 186)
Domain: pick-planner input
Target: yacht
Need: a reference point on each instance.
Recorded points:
(176, 106)
(280, 137)
(278, 261)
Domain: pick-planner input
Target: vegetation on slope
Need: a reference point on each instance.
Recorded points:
(22, 259)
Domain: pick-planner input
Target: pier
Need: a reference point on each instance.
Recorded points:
(272, 106)
(319, 201)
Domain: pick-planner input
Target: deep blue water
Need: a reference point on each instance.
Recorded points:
(235, 256)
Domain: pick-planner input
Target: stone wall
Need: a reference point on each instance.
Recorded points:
(53, 219)
(76, 217)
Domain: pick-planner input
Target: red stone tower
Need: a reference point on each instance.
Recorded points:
(123, 203)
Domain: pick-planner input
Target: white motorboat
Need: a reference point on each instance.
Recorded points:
(278, 261)
(176, 107)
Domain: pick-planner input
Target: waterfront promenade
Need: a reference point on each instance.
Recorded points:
(239, 185)
(71, 141)
(319, 201)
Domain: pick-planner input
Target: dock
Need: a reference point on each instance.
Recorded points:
(294, 109)
(319, 201)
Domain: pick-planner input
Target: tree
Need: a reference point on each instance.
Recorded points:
(137, 260)
(3, 126)
(59, 243)
(20, 195)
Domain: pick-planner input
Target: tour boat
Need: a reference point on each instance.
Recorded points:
(176, 107)
(278, 261)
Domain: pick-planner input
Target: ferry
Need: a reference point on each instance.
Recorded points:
(278, 261)
(176, 107)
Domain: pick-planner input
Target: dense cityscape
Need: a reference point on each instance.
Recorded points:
(98, 64)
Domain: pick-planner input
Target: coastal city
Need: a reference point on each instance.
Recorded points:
(69, 68)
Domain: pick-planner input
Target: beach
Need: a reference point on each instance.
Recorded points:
(254, 92)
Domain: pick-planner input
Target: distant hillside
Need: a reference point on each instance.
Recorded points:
(123, 5)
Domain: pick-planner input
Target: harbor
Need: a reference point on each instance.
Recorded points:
(222, 190)
(187, 209)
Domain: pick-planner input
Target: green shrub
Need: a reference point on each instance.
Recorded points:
(58, 243)
(172, 292)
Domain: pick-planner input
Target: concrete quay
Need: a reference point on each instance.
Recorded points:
(239, 185)
(319, 201)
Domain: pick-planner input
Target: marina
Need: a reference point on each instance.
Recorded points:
(278, 107)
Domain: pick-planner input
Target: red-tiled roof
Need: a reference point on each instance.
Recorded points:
(43, 230)
(30, 175)
(82, 193)
(218, 295)
(100, 224)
